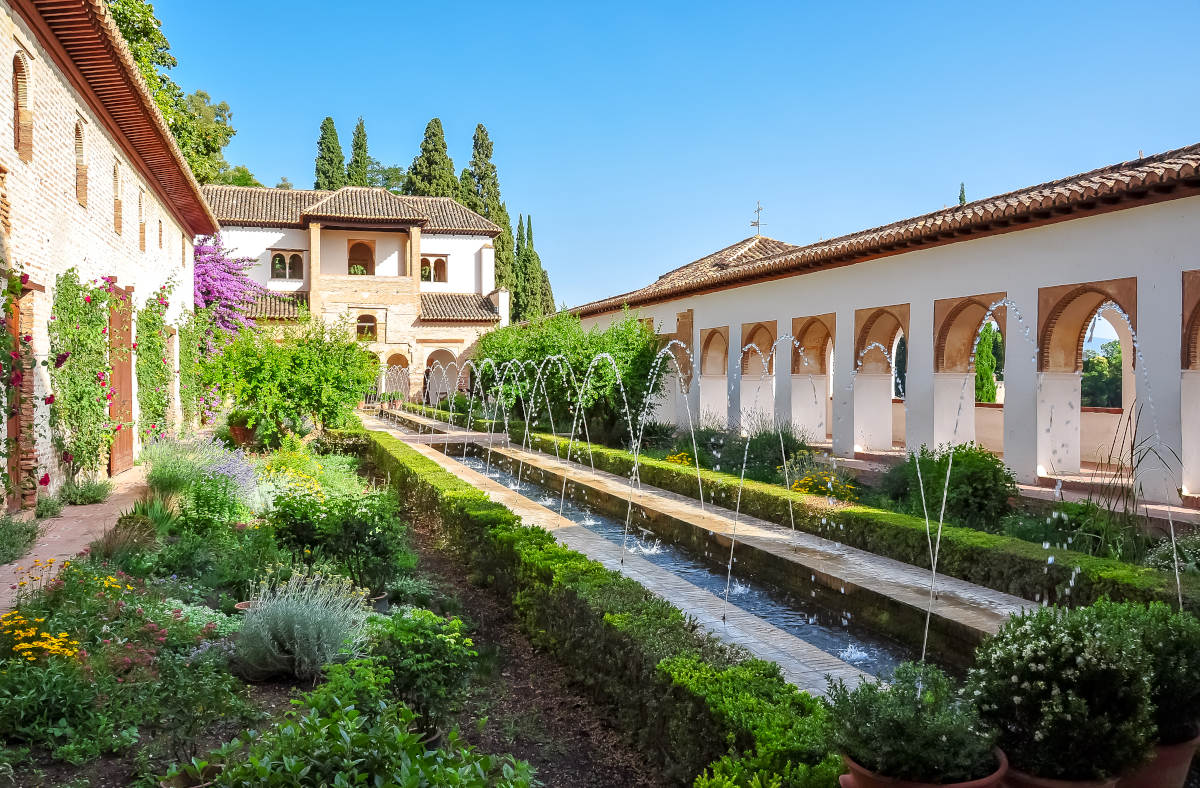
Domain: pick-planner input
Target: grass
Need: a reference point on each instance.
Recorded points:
(16, 537)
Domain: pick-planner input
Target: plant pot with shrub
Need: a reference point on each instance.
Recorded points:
(916, 731)
(1171, 638)
(1068, 690)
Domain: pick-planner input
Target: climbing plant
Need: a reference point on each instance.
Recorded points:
(15, 363)
(80, 370)
(154, 366)
(193, 332)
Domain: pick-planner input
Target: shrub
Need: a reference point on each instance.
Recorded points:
(175, 465)
(48, 506)
(431, 658)
(347, 441)
(1068, 691)
(1187, 551)
(158, 512)
(16, 537)
(979, 489)
(132, 534)
(914, 728)
(89, 490)
(211, 503)
(298, 626)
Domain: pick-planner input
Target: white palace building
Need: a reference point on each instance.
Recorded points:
(1122, 241)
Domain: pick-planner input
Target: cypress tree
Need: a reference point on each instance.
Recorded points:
(985, 366)
(480, 191)
(466, 192)
(331, 164)
(962, 193)
(432, 171)
(516, 277)
(356, 170)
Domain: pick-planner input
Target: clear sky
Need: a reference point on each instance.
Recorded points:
(640, 135)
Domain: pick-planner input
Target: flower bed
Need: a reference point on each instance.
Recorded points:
(696, 706)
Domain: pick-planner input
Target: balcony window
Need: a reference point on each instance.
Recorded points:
(360, 259)
(366, 327)
(433, 269)
(287, 267)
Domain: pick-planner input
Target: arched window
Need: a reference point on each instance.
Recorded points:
(22, 114)
(426, 270)
(361, 259)
(397, 360)
(439, 269)
(142, 220)
(366, 327)
(117, 198)
(160, 233)
(278, 266)
(295, 268)
(80, 167)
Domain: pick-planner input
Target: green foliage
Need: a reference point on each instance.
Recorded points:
(16, 536)
(481, 193)
(431, 173)
(154, 366)
(330, 163)
(88, 490)
(915, 727)
(195, 330)
(962, 194)
(356, 168)
(985, 363)
(1186, 554)
(313, 370)
(430, 657)
(80, 373)
(48, 506)
(237, 176)
(1068, 691)
(978, 493)
(390, 177)
(532, 296)
(1101, 385)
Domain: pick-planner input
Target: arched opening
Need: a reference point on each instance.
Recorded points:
(80, 167)
(1190, 385)
(758, 374)
(1086, 379)
(295, 267)
(968, 355)
(397, 360)
(812, 354)
(714, 361)
(880, 370)
(278, 266)
(360, 259)
(22, 114)
(141, 220)
(439, 270)
(426, 270)
(441, 376)
(366, 327)
(117, 198)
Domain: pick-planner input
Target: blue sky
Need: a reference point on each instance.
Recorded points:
(640, 135)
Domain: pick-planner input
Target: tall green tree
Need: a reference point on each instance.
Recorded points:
(516, 279)
(479, 190)
(900, 367)
(1101, 384)
(236, 176)
(532, 294)
(360, 161)
(985, 364)
(390, 177)
(432, 171)
(330, 164)
(962, 193)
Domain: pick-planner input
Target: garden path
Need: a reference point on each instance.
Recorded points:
(68, 534)
(803, 664)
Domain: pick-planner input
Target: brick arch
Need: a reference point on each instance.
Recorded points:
(762, 336)
(957, 329)
(812, 336)
(22, 114)
(397, 360)
(714, 351)
(1065, 314)
(1192, 339)
(878, 326)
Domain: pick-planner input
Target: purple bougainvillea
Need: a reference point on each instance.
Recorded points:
(221, 283)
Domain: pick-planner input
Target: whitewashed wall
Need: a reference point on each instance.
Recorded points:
(470, 265)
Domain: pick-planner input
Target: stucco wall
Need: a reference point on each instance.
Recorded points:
(466, 269)
(254, 242)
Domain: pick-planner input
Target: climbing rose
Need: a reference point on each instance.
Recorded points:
(87, 299)
(68, 456)
(49, 399)
(61, 359)
(24, 279)
(45, 480)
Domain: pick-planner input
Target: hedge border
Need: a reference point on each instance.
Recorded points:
(703, 710)
(1002, 563)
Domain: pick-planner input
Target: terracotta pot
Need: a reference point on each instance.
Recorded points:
(862, 778)
(1018, 779)
(242, 607)
(1168, 769)
(242, 435)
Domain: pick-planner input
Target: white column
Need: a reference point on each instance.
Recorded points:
(873, 410)
(809, 398)
(918, 381)
(1190, 424)
(1160, 331)
(1058, 422)
(693, 394)
(733, 376)
(954, 407)
(1020, 384)
(783, 371)
(843, 380)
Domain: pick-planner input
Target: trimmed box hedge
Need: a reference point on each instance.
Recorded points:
(1003, 563)
(703, 710)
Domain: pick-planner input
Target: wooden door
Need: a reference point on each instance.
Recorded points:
(13, 496)
(120, 407)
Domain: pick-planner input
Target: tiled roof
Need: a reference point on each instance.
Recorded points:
(1166, 175)
(255, 206)
(88, 36)
(272, 305)
(458, 307)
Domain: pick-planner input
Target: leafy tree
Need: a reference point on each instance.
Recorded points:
(1101, 385)
(330, 164)
(383, 176)
(985, 364)
(222, 286)
(900, 365)
(284, 183)
(998, 353)
(962, 193)
(236, 176)
(432, 171)
(356, 170)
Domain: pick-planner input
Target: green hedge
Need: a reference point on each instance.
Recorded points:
(1003, 563)
(695, 705)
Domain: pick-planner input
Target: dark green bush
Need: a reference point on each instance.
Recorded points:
(430, 657)
(347, 441)
(980, 486)
(915, 727)
(16, 537)
(81, 492)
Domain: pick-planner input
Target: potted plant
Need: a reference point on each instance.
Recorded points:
(1172, 641)
(1069, 693)
(915, 731)
(239, 427)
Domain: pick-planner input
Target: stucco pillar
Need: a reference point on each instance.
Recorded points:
(809, 399)
(919, 399)
(1160, 333)
(783, 371)
(1020, 383)
(693, 392)
(954, 408)
(733, 376)
(1190, 413)
(314, 268)
(1058, 422)
(873, 410)
(843, 384)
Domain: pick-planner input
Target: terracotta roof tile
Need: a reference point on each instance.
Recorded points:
(458, 307)
(254, 206)
(446, 215)
(1161, 174)
(272, 305)
(357, 202)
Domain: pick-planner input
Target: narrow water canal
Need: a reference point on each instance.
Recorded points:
(833, 631)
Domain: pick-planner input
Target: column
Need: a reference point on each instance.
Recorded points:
(693, 392)
(314, 268)
(1190, 428)
(843, 370)
(953, 408)
(919, 394)
(1058, 422)
(1159, 339)
(1020, 383)
(733, 376)
(783, 372)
